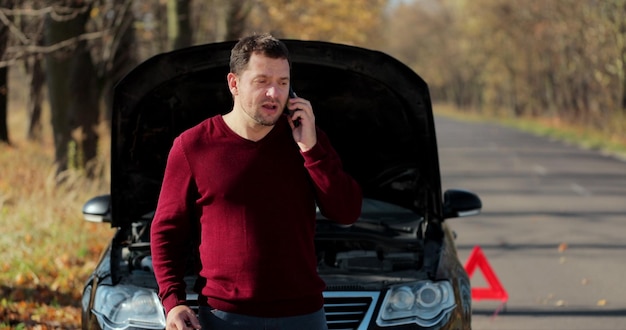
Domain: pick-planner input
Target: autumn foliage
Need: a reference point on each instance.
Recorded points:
(46, 249)
(557, 61)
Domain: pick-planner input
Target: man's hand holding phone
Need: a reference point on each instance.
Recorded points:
(302, 121)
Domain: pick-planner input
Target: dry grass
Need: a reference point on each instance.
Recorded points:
(46, 249)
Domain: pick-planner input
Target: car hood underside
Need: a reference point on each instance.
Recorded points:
(375, 110)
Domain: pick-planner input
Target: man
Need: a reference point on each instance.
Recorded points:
(253, 179)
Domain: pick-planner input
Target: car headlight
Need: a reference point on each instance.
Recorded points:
(124, 306)
(425, 303)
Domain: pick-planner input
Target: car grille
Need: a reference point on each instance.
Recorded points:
(349, 310)
(344, 309)
(192, 301)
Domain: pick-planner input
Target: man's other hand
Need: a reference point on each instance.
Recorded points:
(182, 317)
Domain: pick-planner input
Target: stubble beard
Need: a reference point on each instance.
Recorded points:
(258, 118)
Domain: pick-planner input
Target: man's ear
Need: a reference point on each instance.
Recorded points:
(233, 83)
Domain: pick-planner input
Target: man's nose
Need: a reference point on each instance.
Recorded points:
(272, 91)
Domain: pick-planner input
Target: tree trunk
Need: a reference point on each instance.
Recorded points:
(73, 94)
(623, 63)
(4, 127)
(37, 79)
(84, 111)
(232, 17)
(4, 87)
(124, 59)
(179, 24)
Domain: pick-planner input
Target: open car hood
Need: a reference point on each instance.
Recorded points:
(375, 110)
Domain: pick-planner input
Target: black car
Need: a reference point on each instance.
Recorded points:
(395, 268)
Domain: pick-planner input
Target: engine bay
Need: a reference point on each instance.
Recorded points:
(366, 247)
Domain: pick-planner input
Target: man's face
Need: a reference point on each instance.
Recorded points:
(262, 89)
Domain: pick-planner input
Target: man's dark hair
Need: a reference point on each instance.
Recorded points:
(263, 44)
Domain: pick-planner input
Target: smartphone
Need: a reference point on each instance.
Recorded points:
(291, 93)
(289, 113)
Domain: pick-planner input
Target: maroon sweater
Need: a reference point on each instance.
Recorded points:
(256, 206)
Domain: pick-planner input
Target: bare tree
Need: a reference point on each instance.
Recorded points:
(72, 87)
(37, 81)
(4, 88)
(116, 54)
(32, 28)
(231, 19)
(179, 24)
(614, 14)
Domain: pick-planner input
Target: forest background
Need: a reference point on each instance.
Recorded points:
(559, 65)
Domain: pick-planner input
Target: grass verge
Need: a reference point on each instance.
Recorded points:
(47, 250)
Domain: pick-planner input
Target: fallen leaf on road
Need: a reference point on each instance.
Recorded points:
(562, 247)
(560, 303)
(601, 302)
(584, 281)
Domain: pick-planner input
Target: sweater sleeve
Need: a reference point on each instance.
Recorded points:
(339, 196)
(170, 229)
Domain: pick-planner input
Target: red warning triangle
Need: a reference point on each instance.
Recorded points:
(496, 290)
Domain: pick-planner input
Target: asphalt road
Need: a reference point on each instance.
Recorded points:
(552, 229)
